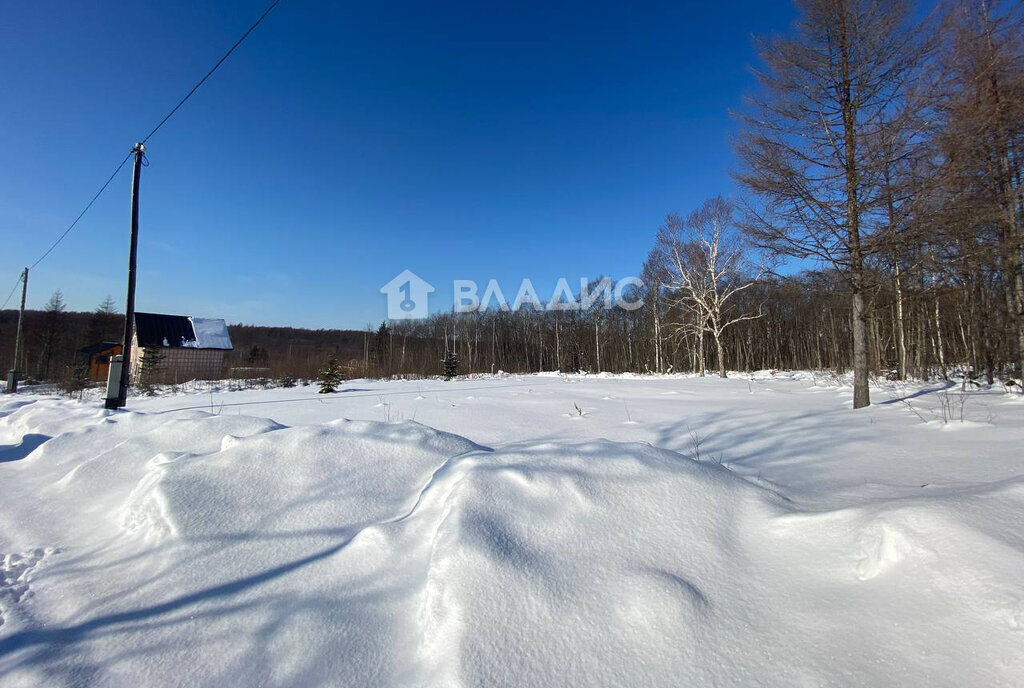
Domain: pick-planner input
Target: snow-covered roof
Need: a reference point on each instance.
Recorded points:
(211, 333)
(173, 331)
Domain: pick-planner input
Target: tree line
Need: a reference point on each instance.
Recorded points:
(53, 335)
(880, 228)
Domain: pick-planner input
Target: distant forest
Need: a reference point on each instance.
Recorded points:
(804, 323)
(53, 336)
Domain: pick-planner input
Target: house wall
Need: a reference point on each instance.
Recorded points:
(179, 364)
(99, 364)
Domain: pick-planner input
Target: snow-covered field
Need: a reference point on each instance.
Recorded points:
(516, 531)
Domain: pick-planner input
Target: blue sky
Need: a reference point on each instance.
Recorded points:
(343, 143)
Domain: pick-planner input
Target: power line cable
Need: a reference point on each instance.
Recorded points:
(212, 70)
(12, 292)
(81, 214)
(150, 134)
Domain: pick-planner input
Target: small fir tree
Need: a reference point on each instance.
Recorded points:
(258, 356)
(382, 349)
(150, 370)
(76, 379)
(451, 365)
(330, 376)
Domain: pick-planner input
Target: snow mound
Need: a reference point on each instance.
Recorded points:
(588, 564)
(203, 549)
(343, 475)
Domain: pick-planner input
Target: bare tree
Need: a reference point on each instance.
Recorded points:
(686, 317)
(806, 147)
(706, 265)
(654, 276)
(982, 145)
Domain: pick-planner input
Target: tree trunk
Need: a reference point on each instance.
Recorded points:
(659, 365)
(861, 394)
(1019, 287)
(700, 352)
(558, 345)
(938, 341)
(901, 337)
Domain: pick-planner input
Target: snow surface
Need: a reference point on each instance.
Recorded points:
(516, 531)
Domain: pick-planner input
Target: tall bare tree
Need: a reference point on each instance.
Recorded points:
(982, 143)
(808, 144)
(708, 270)
(654, 276)
(687, 318)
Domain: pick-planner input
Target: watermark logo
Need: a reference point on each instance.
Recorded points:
(407, 296)
(600, 294)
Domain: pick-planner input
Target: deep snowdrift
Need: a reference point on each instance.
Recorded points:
(193, 548)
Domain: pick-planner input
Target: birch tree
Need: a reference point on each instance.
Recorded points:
(706, 265)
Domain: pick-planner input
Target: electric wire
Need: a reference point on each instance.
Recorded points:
(212, 70)
(81, 214)
(8, 300)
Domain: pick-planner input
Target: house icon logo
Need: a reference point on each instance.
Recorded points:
(407, 296)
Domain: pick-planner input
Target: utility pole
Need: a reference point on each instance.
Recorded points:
(12, 377)
(121, 397)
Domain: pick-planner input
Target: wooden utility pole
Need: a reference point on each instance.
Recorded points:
(121, 398)
(12, 377)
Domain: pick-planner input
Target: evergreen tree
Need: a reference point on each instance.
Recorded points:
(150, 369)
(258, 356)
(330, 376)
(75, 380)
(105, 324)
(451, 365)
(53, 335)
(382, 348)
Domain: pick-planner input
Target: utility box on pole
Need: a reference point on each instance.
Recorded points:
(12, 376)
(114, 377)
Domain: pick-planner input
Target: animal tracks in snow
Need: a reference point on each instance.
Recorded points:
(15, 575)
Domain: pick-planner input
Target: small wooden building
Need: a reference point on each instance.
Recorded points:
(178, 348)
(96, 357)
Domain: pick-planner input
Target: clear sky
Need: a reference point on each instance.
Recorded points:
(345, 142)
